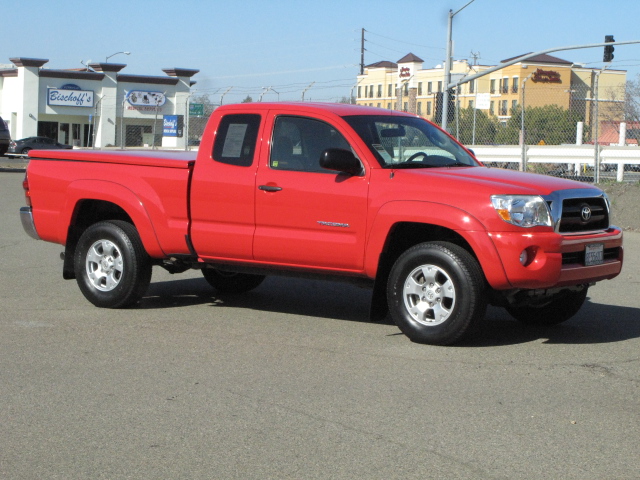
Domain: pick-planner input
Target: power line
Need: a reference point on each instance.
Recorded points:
(406, 43)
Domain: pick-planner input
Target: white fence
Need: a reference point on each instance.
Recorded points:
(574, 159)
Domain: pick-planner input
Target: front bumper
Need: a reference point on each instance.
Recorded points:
(556, 260)
(26, 216)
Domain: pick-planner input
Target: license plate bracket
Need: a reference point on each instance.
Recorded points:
(594, 254)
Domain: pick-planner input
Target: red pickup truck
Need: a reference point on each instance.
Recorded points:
(346, 192)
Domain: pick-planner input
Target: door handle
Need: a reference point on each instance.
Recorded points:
(270, 188)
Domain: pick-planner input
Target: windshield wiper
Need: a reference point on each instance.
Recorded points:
(411, 165)
(459, 164)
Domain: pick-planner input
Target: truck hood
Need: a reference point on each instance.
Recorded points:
(467, 190)
(485, 180)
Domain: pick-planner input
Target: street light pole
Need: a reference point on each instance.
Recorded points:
(114, 54)
(447, 65)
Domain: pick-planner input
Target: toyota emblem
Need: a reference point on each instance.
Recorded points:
(585, 213)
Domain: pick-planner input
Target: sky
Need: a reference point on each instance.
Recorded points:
(284, 49)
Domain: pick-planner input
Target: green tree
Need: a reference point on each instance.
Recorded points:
(350, 99)
(485, 127)
(549, 124)
(247, 99)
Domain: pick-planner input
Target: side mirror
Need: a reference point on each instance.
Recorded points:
(341, 160)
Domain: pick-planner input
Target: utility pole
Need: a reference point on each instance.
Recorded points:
(362, 53)
(305, 90)
(222, 96)
(447, 65)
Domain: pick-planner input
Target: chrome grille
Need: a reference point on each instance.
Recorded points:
(579, 211)
(574, 219)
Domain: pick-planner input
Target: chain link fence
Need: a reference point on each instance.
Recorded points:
(579, 132)
(550, 130)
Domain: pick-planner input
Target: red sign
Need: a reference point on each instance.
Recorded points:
(546, 76)
(405, 72)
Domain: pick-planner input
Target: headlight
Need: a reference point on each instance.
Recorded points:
(522, 210)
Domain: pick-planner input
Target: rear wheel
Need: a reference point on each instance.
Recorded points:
(111, 266)
(231, 282)
(557, 309)
(436, 293)
(25, 151)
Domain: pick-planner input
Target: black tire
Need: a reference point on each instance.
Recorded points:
(231, 282)
(436, 293)
(560, 308)
(25, 151)
(111, 265)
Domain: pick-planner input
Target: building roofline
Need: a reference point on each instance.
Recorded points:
(410, 58)
(9, 72)
(147, 79)
(180, 72)
(107, 67)
(70, 74)
(28, 62)
(543, 58)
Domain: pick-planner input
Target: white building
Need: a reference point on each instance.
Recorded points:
(96, 106)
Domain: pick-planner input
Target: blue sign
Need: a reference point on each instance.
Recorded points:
(170, 125)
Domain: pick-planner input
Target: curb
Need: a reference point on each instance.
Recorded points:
(8, 164)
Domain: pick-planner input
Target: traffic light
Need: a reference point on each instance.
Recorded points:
(608, 49)
(451, 112)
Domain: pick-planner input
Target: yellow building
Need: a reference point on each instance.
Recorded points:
(540, 80)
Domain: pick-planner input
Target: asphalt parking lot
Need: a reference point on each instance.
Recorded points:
(292, 381)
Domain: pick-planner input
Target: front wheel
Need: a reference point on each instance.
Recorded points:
(559, 308)
(112, 268)
(436, 293)
(231, 282)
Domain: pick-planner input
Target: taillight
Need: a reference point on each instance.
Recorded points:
(27, 194)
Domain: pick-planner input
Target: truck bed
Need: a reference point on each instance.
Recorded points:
(151, 188)
(168, 159)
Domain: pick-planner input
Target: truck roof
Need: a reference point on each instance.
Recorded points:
(340, 109)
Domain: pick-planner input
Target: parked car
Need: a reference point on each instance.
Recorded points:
(24, 145)
(5, 137)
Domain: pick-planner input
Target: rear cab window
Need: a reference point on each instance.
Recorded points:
(235, 142)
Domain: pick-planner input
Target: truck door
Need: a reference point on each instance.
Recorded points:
(223, 191)
(307, 216)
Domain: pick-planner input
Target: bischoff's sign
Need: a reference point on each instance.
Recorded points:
(69, 98)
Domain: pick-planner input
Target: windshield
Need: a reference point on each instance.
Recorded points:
(409, 142)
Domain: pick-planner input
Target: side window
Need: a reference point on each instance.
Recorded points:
(236, 139)
(298, 143)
